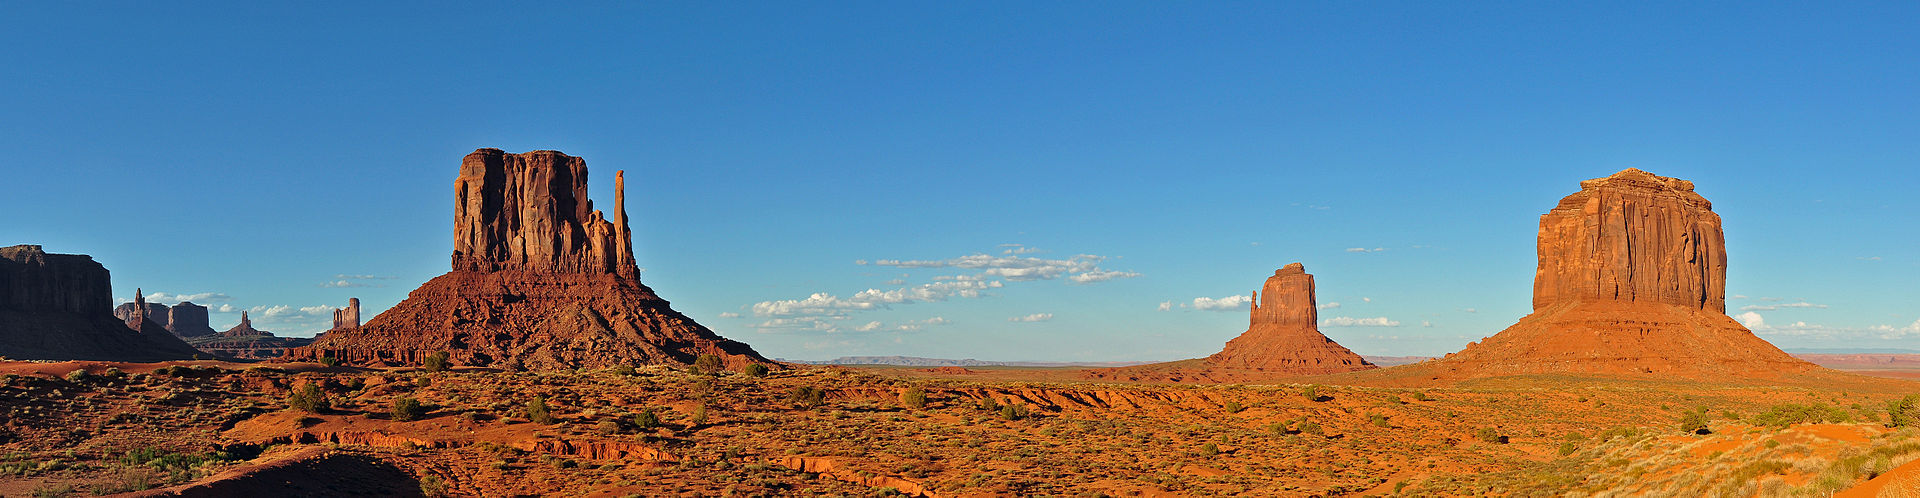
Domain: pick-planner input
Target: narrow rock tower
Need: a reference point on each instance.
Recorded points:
(1283, 332)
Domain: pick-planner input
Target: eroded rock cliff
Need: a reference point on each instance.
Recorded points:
(59, 307)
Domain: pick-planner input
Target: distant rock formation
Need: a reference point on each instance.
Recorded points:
(1282, 339)
(185, 319)
(348, 317)
(247, 343)
(540, 280)
(1631, 280)
(59, 307)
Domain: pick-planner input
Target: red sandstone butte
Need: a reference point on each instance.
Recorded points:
(60, 307)
(541, 280)
(1631, 280)
(1282, 339)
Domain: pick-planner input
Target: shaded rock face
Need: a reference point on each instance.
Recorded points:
(1631, 280)
(540, 280)
(530, 212)
(185, 319)
(59, 307)
(1635, 237)
(348, 317)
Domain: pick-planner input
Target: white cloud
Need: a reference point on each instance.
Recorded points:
(1868, 258)
(1772, 307)
(1329, 306)
(1366, 299)
(1365, 250)
(729, 314)
(1166, 306)
(1101, 276)
(938, 320)
(1425, 323)
(1018, 249)
(337, 284)
(869, 327)
(1229, 303)
(1471, 310)
(1345, 321)
(172, 299)
(1739, 296)
(290, 314)
(897, 281)
(363, 277)
(802, 323)
(1751, 320)
(223, 308)
(1036, 317)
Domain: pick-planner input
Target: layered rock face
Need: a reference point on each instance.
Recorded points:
(348, 317)
(1631, 280)
(1283, 333)
(540, 280)
(1282, 339)
(59, 307)
(1633, 237)
(247, 343)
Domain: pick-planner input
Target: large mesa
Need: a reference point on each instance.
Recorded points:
(540, 280)
(1631, 280)
(60, 307)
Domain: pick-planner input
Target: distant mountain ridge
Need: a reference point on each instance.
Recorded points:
(915, 361)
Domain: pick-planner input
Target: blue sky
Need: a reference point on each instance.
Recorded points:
(260, 157)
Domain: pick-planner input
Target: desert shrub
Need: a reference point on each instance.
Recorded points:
(989, 404)
(699, 415)
(1311, 393)
(1904, 412)
(915, 398)
(1786, 414)
(1209, 449)
(1694, 421)
(608, 427)
(1013, 411)
(1234, 407)
(625, 370)
(1567, 448)
(1490, 435)
(646, 419)
(309, 398)
(432, 486)
(1309, 428)
(1419, 395)
(1377, 420)
(330, 361)
(406, 408)
(1279, 428)
(807, 396)
(757, 370)
(537, 411)
(708, 364)
(78, 376)
(113, 373)
(436, 362)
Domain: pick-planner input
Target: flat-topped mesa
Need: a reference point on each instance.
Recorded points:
(60, 307)
(1286, 299)
(530, 212)
(1633, 236)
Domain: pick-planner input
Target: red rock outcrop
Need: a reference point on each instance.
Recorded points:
(1631, 280)
(1282, 339)
(540, 280)
(59, 307)
(348, 317)
(185, 319)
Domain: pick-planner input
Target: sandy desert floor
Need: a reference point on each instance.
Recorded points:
(207, 427)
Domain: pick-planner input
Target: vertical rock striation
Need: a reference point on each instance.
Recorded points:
(540, 280)
(1631, 280)
(59, 307)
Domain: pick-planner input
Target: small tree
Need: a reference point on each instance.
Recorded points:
(309, 398)
(436, 362)
(406, 409)
(646, 419)
(1013, 411)
(1209, 449)
(915, 398)
(989, 404)
(807, 396)
(1904, 412)
(1694, 421)
(708, 364)
(757, 370)
(537, 411)
(1488, 434)
(1234, 407)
